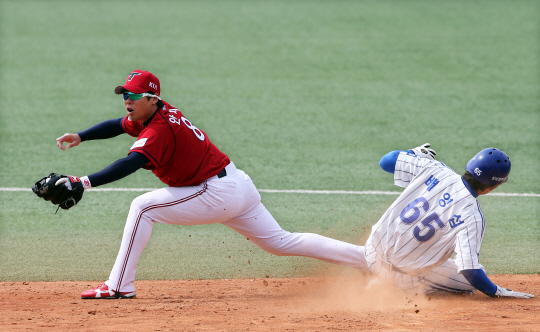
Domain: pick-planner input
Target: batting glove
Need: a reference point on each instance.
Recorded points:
(505, 292)
(423, 151)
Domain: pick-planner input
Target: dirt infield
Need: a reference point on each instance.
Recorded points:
(300, 304)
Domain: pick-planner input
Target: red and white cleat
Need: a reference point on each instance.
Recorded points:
(103, 292)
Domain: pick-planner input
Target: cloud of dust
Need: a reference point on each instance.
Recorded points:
(361, 294)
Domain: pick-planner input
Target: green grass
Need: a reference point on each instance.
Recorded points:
(300, 95)
(81, 244)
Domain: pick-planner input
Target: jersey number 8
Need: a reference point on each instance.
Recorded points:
(196, 131)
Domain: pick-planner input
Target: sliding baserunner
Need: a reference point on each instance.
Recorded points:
(436, 215)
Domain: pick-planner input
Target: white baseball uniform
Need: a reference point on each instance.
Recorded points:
(435, 216)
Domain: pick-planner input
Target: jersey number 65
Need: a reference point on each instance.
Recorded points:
(411, 213)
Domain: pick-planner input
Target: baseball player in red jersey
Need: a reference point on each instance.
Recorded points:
(204, 187)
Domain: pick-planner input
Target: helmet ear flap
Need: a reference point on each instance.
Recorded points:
(490, 166)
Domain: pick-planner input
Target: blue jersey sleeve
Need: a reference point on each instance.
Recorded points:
(479, 280)
(388, 162)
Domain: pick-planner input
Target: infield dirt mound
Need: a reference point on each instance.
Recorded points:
(295, 304)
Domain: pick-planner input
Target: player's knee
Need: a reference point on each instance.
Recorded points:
(138, 203)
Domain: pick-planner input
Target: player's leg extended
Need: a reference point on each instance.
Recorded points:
(137, 232)
(213, 201)
(445, 279)
(262, 229)
(155, 206)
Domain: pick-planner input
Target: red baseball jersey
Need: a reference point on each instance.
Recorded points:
(180, 154)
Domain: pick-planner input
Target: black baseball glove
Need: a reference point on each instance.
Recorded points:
(62, 190)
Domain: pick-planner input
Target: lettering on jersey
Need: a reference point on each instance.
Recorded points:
(431, 182)
(174, 110)
(445, 200)
(455, 221)
(139, 143)
(173, 119)
(196, 131)
(478, 171)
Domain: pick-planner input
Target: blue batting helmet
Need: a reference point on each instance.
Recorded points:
(490, 166)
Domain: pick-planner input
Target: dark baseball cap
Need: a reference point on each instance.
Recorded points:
(139, 81)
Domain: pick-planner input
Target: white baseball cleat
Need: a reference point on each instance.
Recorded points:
(103, 292)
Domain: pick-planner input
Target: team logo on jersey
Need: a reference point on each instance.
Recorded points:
(130, 77)
(139, 143)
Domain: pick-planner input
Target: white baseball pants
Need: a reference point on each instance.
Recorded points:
(442, 279)
(233, 201)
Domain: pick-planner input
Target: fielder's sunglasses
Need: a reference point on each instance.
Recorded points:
(137, 96)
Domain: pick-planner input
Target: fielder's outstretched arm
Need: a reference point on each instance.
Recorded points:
(106, 129)
(117, 170)
(103, 130)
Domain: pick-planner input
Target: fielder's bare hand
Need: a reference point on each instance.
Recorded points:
(72, 139)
